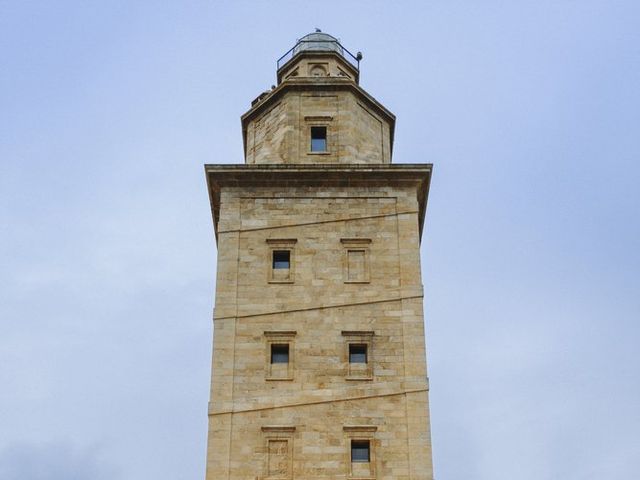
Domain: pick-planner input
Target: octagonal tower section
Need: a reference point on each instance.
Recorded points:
(318, 113)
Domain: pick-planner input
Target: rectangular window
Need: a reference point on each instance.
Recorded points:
(281, 259)
(360, 451)
(357, 353)
(279, 353)
(318, 139)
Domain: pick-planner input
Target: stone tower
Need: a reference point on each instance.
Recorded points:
(319, 367)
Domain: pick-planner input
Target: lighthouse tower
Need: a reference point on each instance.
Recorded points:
(319, 368)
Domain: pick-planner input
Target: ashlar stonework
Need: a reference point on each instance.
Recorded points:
(319, 368)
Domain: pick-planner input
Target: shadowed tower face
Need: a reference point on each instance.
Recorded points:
(319, 367)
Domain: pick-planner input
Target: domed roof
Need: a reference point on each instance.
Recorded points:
(318, 41)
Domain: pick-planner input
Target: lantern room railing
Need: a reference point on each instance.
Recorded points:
(320, 46)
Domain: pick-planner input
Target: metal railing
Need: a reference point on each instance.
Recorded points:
(317, 46)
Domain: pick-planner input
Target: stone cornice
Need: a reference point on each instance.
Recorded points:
(328, 175)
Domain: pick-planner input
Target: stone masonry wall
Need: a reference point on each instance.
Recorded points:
(355, 133)
(297, 421)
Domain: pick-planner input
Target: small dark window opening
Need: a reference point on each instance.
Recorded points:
(280, 353)
(318, 139)
(357, 353)
(281, 259)
(360, 451)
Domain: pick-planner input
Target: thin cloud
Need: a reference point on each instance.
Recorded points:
(54, 461)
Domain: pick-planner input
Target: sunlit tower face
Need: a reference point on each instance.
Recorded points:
(319, 366)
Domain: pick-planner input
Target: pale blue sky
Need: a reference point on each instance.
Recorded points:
(530, 112)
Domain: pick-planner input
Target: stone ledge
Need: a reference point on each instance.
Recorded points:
(299, 399)
(320, 307)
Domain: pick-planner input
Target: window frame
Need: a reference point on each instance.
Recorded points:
(358, 371)
(325, 130)
(279, 371)
(314, 121)
(278, 275)
(277, 355)
(356, 346)
(359, 444)
(275, 262)
(360, 433)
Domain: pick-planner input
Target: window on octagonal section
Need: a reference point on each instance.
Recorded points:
(318, 139)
